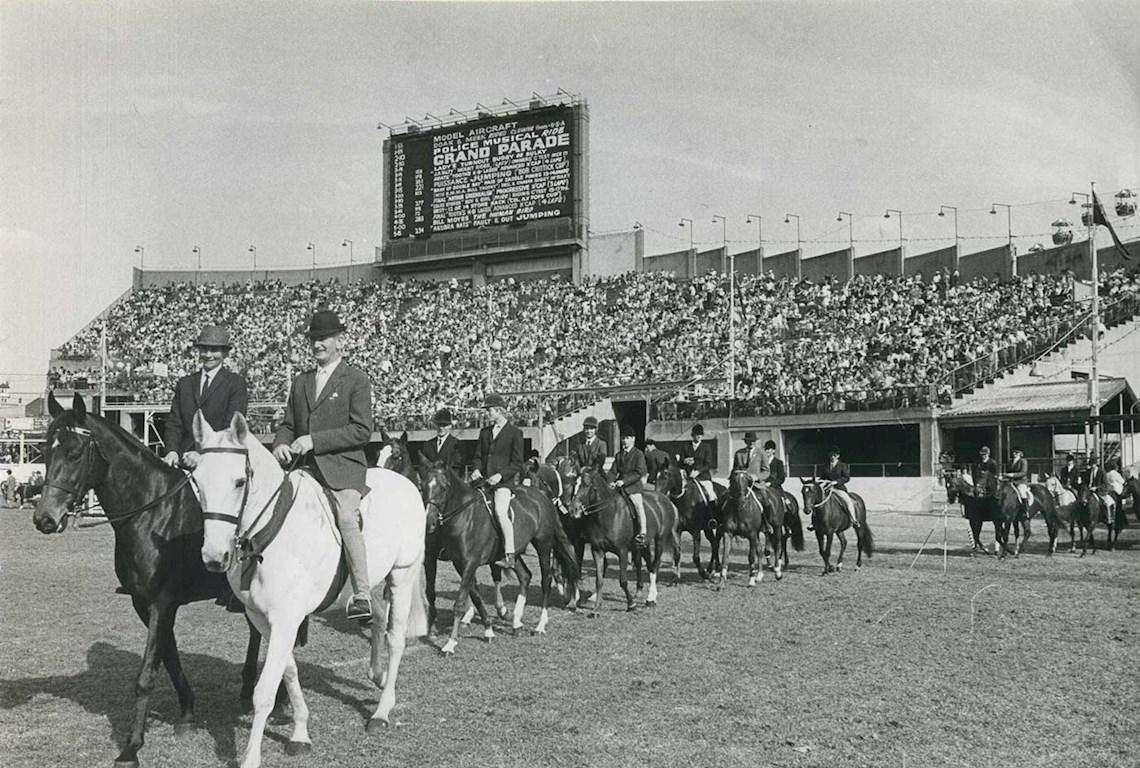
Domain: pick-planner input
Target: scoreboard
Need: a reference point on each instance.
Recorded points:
(497, 170)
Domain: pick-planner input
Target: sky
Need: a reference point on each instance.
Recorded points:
(170, 125)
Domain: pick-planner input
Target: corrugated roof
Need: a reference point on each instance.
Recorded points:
(1036, 398)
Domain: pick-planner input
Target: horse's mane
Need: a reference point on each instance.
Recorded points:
(113, 430)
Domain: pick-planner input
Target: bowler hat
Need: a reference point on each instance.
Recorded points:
(833, 452)
(442, 418)
(590, 423)
(323, 324)
(769, 444)
(627, 431)
(697, 430)
(750, 437)
(213, 336)
(1018, 450)
(494, 400)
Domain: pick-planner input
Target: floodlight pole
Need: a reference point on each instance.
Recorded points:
(731, 305)
(1094, 384)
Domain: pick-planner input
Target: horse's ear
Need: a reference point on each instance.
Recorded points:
(78, 407)
(202, 430)
(54, 408)
(404, 437)
(384, 436)
(239, 426)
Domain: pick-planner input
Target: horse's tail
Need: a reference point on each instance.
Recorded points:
(792, 521)
(868, 539)
(418, 615)
(564, 554)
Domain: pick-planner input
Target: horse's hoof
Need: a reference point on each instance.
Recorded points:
(184, 729)
(537, 631)
(592, 614)
(448, 648)
(375, 724)
(127, 760)
(650, 603)
(504, 612)
(294, 748)
(630, 608)
(779, 575)
(516, 631)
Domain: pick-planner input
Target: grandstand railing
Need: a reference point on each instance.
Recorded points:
(971, 375)
(863, 469)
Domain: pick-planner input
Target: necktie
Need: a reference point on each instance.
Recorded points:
(205, 383)
(322, 377)
(439, 447)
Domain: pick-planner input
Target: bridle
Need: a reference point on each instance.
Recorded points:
(225, 517)
(91, 450)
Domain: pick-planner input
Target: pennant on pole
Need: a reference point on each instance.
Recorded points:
(1102, 220)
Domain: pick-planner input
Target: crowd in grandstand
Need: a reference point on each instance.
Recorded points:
(800, 345)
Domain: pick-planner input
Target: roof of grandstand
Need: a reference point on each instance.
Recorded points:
(1043, 397)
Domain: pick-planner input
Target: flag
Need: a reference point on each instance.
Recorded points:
(1102, 220)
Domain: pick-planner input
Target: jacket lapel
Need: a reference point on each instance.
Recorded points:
(309, 385)
(214, 382)
(330, 385)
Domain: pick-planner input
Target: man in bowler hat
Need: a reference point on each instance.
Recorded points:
(213, 389)
(328, 420)
(443, 448)
(498, 462)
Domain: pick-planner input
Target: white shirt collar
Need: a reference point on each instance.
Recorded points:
(328, 369)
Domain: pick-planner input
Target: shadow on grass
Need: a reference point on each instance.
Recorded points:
(110, 672)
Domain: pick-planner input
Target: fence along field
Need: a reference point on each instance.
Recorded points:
(1027, 662)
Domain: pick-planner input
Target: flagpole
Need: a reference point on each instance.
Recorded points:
(1094, 383)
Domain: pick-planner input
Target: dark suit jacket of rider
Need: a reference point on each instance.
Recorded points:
(339, 421)
(450, 455)
(629, 468)
(592, 454)
(226, 395)
(501, 455)
(777, 473)
(1069, 476)
(702, 457)
(655, 461)
(840, 474)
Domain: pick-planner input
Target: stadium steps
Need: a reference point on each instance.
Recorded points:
(569, 424)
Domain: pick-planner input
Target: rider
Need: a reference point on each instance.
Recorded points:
(628, 471)
(656, 460)
(443, 448)
(1093, 478)
(213, 389)
(1115, 483)
(592, 451)
(776, 472)
(498, 461)
(1019, 475)
(697, 458)
(219, 393)
(838, 473)
(986, 464)
(328, 419)
(530, 467)
(750, 460)
(1069, 474)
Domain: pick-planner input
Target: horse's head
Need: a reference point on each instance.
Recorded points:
(396, 455)
(74, 464)
(586, 495)
(568, 476)
(436, 485)
(738, 483)
(224, 476)
(812, 493)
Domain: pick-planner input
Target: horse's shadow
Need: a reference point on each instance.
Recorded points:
(105, 689)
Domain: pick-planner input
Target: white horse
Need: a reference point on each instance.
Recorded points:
(301, 566)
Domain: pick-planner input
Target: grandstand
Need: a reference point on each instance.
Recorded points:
(868, 363)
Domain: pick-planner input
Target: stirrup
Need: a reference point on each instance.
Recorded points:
(359, 608)
(508, 562)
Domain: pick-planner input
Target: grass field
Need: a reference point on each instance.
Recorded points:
(1028, 662)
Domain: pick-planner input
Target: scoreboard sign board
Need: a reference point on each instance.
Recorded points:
(509, 169)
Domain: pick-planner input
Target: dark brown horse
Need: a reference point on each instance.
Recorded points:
(1092, 511)
(829, 517)
(158, 528)
(398, 456)
(747, 511)
(990, 500)
(607, 520)
(462, 520)
(695, 516)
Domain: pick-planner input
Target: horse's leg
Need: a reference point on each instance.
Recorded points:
(976, 534)
(401, 582)
(249, 667)
(299, 742)
(755, 572)
(466, 582)
(599, 563)
(623, 579)
(546, 573)
(431, 564)
(522, 573)
(824, 551)
(696, 533)
(653, 565)
(159, 619)
(277, 657)
(779, 550)
(500, 603)
(173, 664)
(842, 549)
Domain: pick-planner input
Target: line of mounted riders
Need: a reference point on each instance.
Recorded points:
(1076, 498)
(637, 509)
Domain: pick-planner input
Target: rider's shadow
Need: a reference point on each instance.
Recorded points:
(106, 688)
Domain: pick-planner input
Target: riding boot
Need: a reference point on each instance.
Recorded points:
(639, 539)
(508, 530)
(360, 606)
